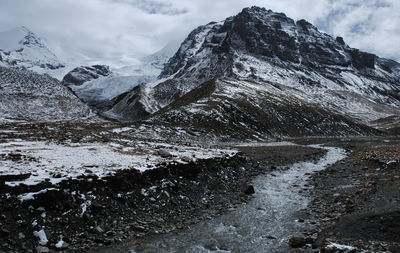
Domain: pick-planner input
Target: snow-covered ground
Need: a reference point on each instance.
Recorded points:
(46, 161)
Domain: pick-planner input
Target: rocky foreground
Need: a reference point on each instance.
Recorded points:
(84, 212)
(354, 207)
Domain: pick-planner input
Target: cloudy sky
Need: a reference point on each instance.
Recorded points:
(125, 29)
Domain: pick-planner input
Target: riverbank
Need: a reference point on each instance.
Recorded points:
(357, 201)
(85, 212)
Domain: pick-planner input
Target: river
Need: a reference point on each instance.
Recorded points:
(264, 224)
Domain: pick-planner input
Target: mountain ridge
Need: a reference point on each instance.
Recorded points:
(268, 47)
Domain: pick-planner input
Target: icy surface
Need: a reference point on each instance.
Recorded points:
(25, 49)
(337, 246)
(31, 195)
(107, 88)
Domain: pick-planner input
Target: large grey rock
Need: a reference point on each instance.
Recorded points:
(83, 74)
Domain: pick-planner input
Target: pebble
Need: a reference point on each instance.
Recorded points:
(138, 227)
(42, 249)
(297, 241)
(249, 190)
(99, 229)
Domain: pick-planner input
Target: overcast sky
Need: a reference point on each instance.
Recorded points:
(111, 29)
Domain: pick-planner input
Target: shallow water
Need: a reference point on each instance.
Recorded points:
(263, 225)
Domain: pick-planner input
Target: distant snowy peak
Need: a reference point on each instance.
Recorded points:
(150, 65)
(261, 44)
(161, 57)
(21, 48)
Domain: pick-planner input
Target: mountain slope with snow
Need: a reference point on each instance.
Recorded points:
(269, 48)
(246, 110)
(28, 96)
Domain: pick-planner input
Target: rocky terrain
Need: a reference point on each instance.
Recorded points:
(105, 160)
(92, 209)
(357, 200)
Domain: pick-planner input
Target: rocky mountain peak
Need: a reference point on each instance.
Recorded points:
(265, 35)
(269, 47)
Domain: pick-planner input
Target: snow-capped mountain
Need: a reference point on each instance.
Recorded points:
(21, 48)
(28, 96)
(282, 57)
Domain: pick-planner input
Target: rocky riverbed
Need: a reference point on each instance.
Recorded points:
(88, 211)
(353, 203)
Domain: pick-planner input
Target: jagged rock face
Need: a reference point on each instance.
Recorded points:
(268, 36)
(83, 74)
(268, 47)
(28, 96)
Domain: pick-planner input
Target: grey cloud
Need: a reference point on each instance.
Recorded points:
(154, 7)
(122, 30)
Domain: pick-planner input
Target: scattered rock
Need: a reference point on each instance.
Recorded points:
(166, 194)
(61, 245)
(164, 153)
(138, 228)
(297, 241)
(4, 232)
(249, 190)
(98, 229)
(41, 234)
(42, 249)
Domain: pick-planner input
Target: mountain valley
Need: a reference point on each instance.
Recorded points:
(247, 115)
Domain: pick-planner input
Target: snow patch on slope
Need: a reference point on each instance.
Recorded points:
(107, 88)
(57, 162)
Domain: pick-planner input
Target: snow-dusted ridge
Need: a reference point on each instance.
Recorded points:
(27, 96)
(280, 54)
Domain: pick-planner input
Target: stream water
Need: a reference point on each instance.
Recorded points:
(262, 225)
